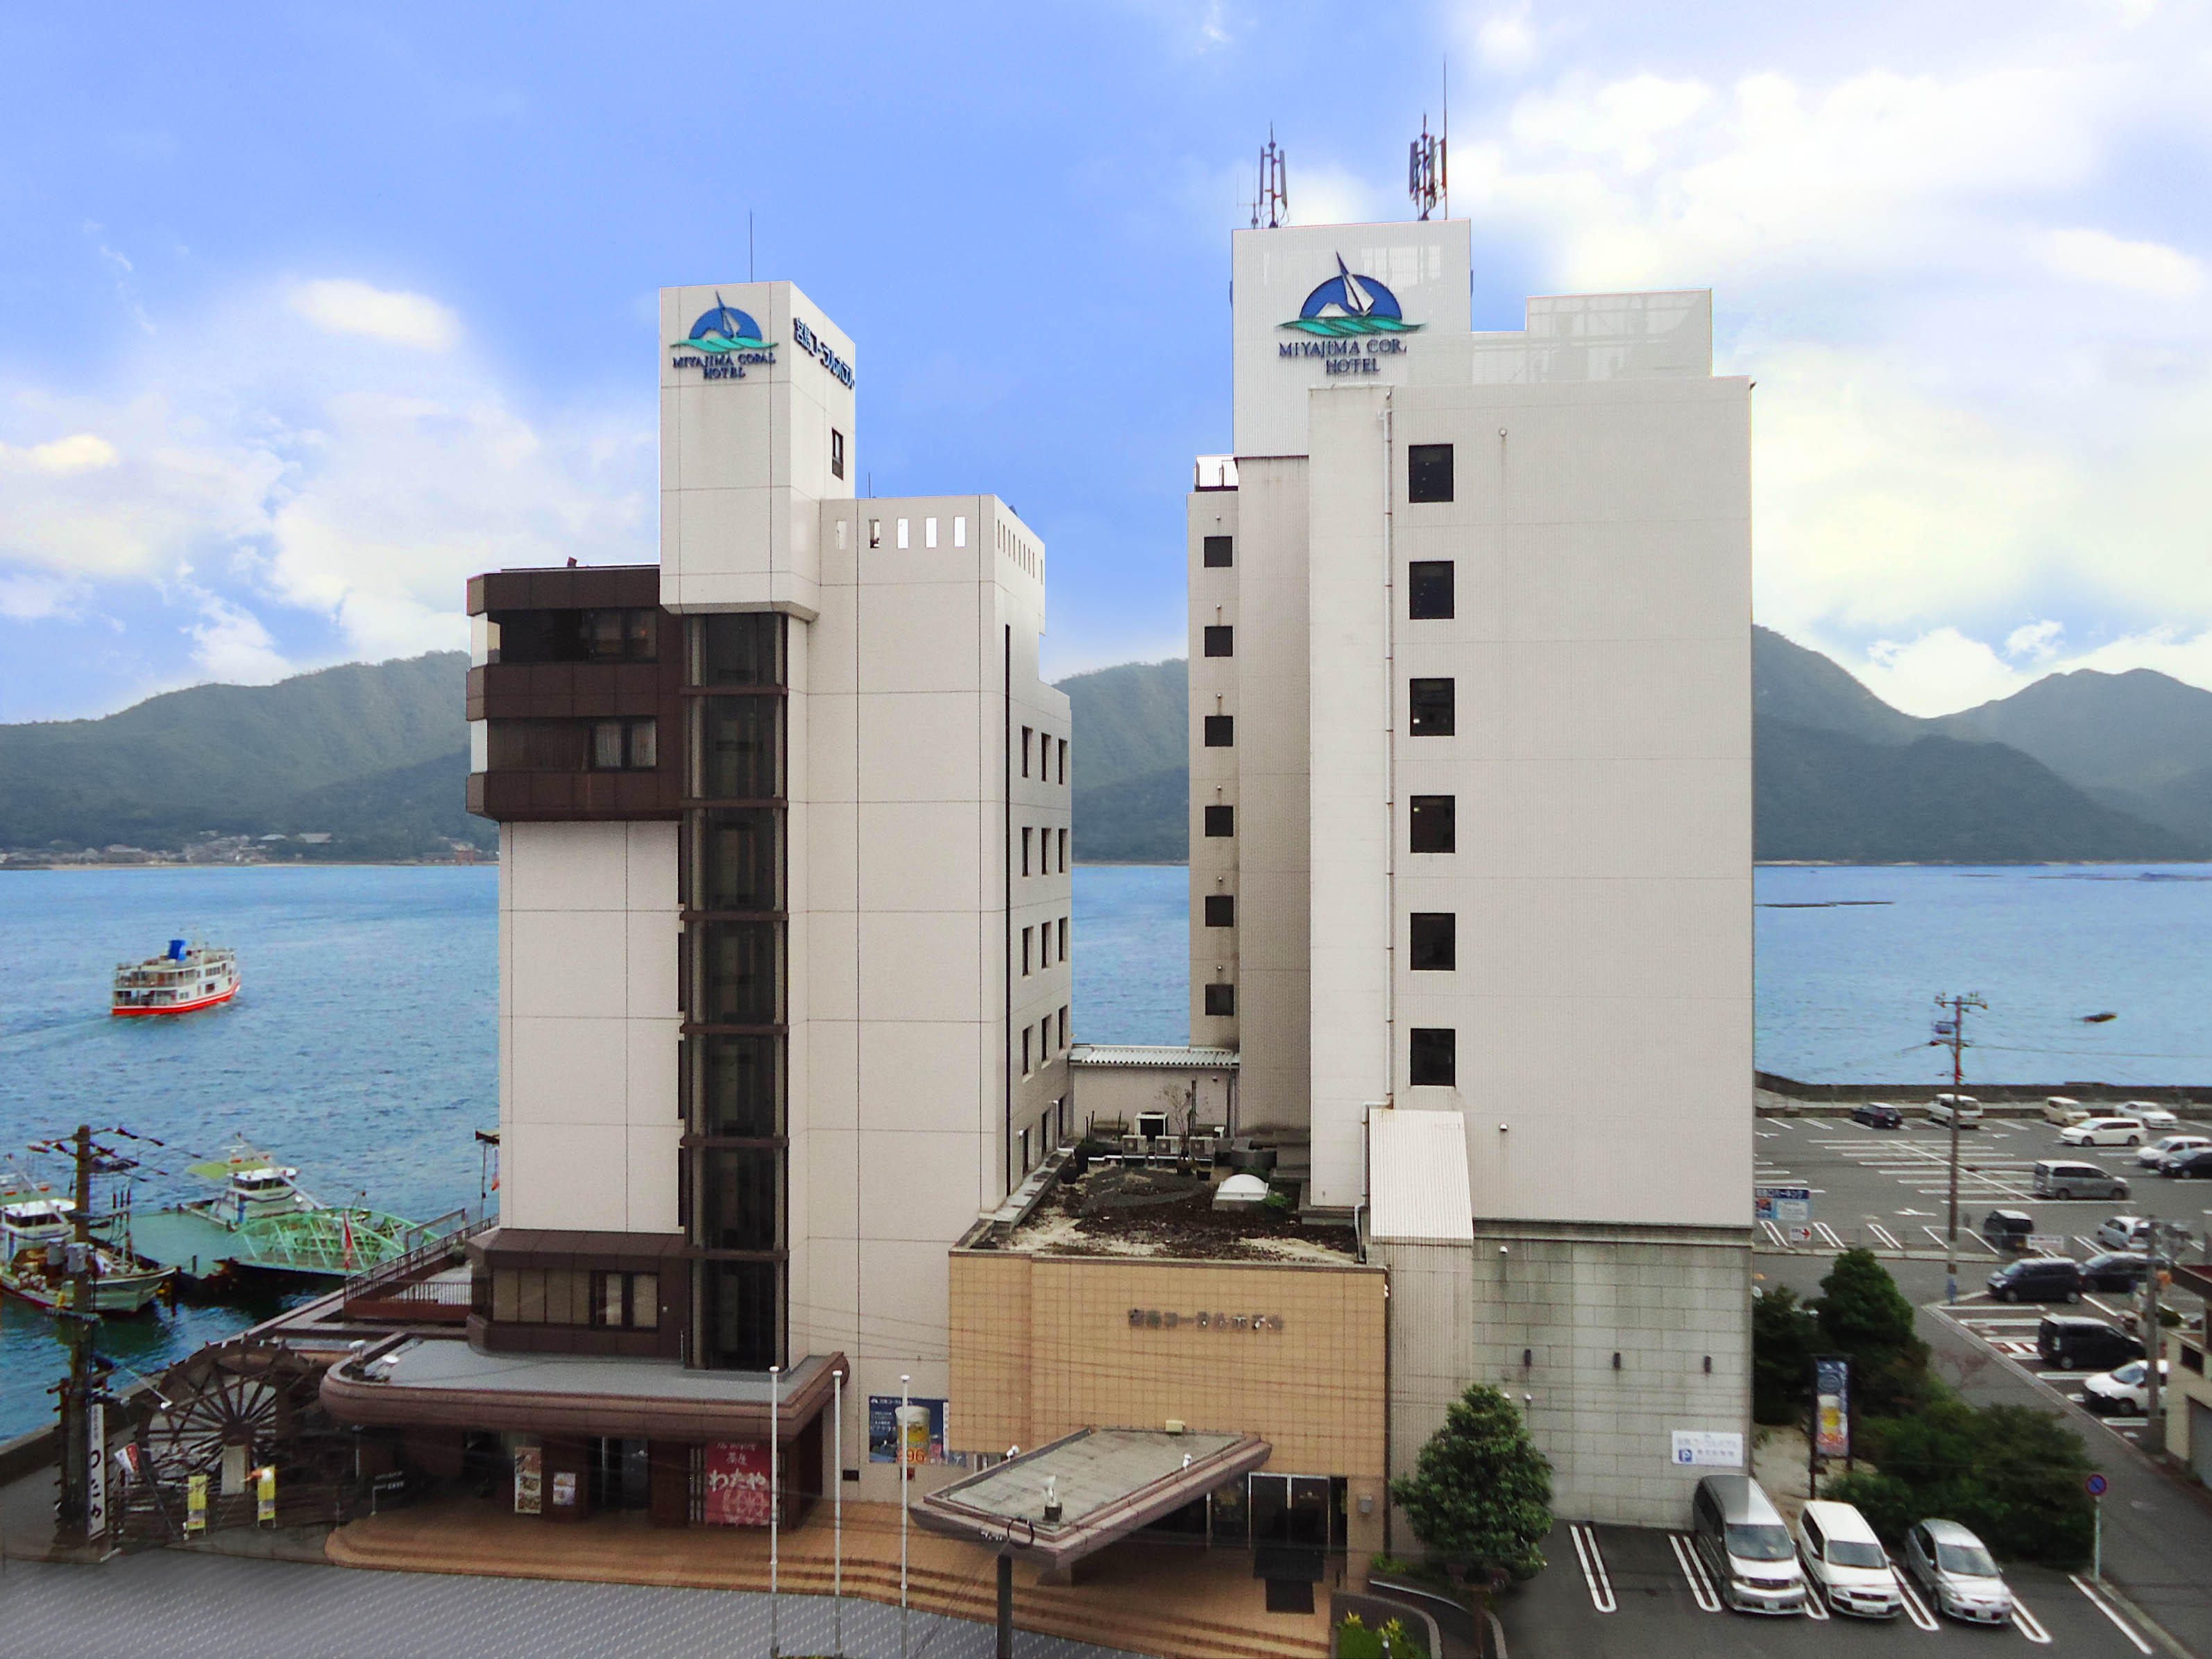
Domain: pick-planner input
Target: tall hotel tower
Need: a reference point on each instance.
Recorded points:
(1471, 820)
(784, 913)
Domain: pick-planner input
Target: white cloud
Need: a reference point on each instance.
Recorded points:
(233, 647)
(1936, 673)
(260, 468)
(2038, 641)
(346, 307)
(1330, 195)
(1504, 41)
(2095, 256)
(81, 451)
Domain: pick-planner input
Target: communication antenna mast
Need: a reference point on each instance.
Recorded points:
(1424, 172)
(1273, 204)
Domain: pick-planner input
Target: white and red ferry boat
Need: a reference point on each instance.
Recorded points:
(188, 977)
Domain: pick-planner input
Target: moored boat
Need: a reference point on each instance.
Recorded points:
(254, 1187)
(37, 1236)
(189, 977)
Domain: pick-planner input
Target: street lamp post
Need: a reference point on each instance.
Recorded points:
(775, 1500)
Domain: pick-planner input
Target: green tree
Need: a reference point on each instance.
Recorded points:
(1783, 1336)
(1481, 1494)
(1862, 1314)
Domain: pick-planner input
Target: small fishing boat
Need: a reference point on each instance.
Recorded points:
(252, 1185)
(37, 1245)
(189, 977)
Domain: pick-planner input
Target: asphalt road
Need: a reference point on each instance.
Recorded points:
(2158, 1535)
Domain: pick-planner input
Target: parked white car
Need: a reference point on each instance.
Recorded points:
(2123, 1393)
(2154, 1115)
(2149, 1156)
(2126, 1232)
(2104, 1131)
(1968, 1108)
(2061, 1111)
(1848, 1567)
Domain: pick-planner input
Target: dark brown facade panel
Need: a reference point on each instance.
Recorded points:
(548, 797)
(584, 587)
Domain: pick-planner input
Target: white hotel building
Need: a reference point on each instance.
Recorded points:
(1471, 824)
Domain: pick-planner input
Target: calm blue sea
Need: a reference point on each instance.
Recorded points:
(363, 1049)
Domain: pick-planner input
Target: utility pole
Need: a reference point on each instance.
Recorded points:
(2153, 1333)
(78, 1320)
(1954, 1031)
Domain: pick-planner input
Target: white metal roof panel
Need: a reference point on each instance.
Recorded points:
(1418, 1191)
(1144, 1054)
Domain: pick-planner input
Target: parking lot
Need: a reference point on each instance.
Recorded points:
(1632, 1592)
(1885, 1188)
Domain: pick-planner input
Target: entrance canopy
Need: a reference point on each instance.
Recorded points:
(1107, 1482)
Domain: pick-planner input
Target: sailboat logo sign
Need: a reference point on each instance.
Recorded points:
(723, 342)
(1349, 320)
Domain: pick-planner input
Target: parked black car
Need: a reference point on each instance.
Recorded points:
(2072, 1342)
(2198, 1163)
(1878, 1114)
(2115, 1270)
(2037, 1279)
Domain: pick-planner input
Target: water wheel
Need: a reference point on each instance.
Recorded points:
(259, 1395)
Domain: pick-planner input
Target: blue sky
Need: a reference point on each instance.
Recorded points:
(314, 310)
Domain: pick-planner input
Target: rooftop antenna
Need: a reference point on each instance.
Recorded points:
(748, 244)
(1273, 204)
(1443, 141)
(1424, 172)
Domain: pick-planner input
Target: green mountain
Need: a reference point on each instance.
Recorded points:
(375, 755)
(1132, 763)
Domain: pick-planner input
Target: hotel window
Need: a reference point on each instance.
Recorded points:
(737, 859)
(960, 530)
(742, 648)
(1220, 552)
(1220, 910)
(1429, 708)
(1025, 1051)
(1025, 849)
(1044, 945)
(1220, 820)
(1025, 1148)
(1044, 1040)
(1220, 641)
(929, 532)
(1429, 589)
(836, 453)
(1435, 941)
(739, 757)
(1434, 1061)
(875, 532)
(1063, 941)
(1063, 852)
(1428, 472)
(1434, 819)
(903, 542)
(627, 1301)
(1063, 772)
(630, 634)
(1063, 1044)
(1026, 734)
(625, 745)
(1221, 731)
(1221, 1000)
(739, 1197)
(1026, 931)
(739, 978)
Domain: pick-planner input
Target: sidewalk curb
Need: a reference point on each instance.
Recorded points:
(2126, 1603)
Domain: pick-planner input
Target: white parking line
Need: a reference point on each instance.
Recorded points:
(1686, 1557)
(2025, 1622)
(1829, 1235)
(1888, 1238)
(2109, 1312)
(1593, 1562)
(2112, 1613)
(1914, 1609)
(1775, 1233)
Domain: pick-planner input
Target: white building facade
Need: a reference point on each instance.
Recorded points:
(785, 909)
(1471, 810)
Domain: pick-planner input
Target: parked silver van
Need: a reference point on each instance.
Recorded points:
(1746, 1547)
(2066, 1178)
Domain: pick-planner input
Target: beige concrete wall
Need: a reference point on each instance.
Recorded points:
(1043, 1346)
(1122, 1092)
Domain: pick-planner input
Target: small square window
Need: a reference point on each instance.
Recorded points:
(1025, 1067)
(1063, 769)
(1428, 472)
(1063, 1042)
(1063, 939)
(960, 530)
(1028, 732)
(904, 541)
(1428, 705)
(1220, 552)
(1221, 731)
(1063, 852)
(1434, 823)
(1220, 820)
(1220, 641)
(1429, 589)
(1025, 849)
(1435, 941)
(929, 532)
(836, 453)
(1028, 935)
(875, 532)
(1221, 1000)
(1434, 1063)
(1220, 910)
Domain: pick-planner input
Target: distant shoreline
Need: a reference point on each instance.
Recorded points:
(281, 864)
